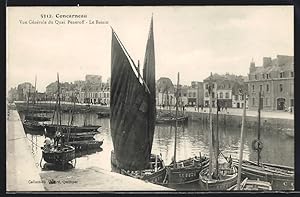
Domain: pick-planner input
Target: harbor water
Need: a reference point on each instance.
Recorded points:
(192, 139)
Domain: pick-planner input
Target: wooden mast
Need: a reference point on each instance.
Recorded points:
(217, 139)
(241, 144)
(34, 96)
(175, 142)
(58, 94)
(210, 128)
(258, 127)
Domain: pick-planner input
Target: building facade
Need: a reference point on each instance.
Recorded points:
(226, 89)
(195, 94)
(275, 80)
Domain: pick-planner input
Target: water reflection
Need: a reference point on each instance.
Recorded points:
(191, 140)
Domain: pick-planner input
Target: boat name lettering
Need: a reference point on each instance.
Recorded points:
(191, 174)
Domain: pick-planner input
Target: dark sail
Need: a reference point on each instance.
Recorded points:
(149, 77)
(131, 131)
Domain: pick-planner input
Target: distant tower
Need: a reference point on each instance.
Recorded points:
(252, 66)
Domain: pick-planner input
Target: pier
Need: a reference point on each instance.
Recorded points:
(23, 174)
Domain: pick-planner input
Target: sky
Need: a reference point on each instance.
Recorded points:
(191, 40)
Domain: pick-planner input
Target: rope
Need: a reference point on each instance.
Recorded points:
(33, 142)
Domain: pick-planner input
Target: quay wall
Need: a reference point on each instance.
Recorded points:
(231, 121)
(21, 172)
(65, 107)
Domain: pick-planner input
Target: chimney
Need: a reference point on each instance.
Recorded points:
(252, 66)
(267, 61)
(284, 59)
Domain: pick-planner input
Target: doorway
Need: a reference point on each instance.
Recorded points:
(280, 104)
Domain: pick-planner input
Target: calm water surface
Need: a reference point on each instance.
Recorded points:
(192, 139)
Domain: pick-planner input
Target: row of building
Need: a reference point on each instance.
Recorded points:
(91, 90)
(274, 80)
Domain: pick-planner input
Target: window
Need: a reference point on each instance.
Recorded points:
(213, 95)
(221, 95)
(253, 101)
(107, 94)
(252, 88)
(292, 74)
(206, 94)
(292, 102)
(267, 87)
(281, 75)
(280, 87)
(213, 86)
(184, 94)
(267, 101)
(260, 88)
(226, 95)
(255, 77)
(229, 86)
(267, 76)
(190, 94)
(194, 94)
(206, 86)
(263, 76)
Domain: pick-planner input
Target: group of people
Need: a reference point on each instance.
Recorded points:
(52, 144)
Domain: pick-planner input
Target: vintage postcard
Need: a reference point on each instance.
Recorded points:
(162, 98)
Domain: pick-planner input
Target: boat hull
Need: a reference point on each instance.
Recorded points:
(51, 129)
(185, 174)
(252, 185)
(171, 120)
(31, 126)
(86, 145)
(149, 175)
(269, 173)
(59, 157)
(217, 185)
(37, 118)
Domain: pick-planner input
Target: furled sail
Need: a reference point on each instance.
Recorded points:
(131, 104)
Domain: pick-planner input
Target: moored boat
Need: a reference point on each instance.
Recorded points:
(33, 126)
(37, 118)
(170, 119)
(223, 182)
(155, 172)
(133, 112)
(252, 185)
(187, 171)
(85, 145)
(103, 114)
(59, 156)
(281, 177)
(51, 128)
(216, 176)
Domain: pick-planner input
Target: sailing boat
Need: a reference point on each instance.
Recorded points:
(184, 171)
(84, 132)
(169, 117)
(247, 184)
(133, 110)
(32, 117)
(281, 177)
(61, 154)
(221, 178)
